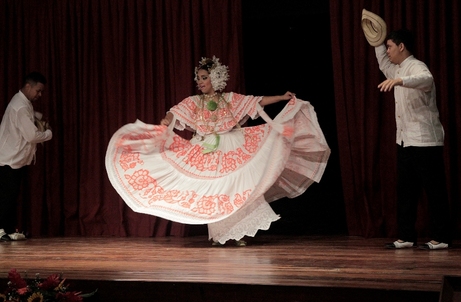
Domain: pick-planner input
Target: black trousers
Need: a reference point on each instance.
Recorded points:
(10, 185)
(422, 169)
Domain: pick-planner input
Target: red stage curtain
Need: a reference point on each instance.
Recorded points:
(108, 63)
(365, 116)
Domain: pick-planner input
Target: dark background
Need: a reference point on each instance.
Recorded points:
(287, 47)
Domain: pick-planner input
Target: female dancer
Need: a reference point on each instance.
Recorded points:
(226, 175)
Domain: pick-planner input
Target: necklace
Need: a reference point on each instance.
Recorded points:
(210, 111)
(211, 96)
(211, 104)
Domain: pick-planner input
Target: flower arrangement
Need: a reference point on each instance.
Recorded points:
(52, 289)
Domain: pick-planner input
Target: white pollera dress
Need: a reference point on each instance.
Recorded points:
(226, 175)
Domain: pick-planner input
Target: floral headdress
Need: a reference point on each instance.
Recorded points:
(219, 73)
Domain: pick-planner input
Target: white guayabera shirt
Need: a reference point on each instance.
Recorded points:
(18, 133)
(416, 113)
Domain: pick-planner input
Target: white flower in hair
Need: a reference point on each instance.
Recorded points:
(219, 73)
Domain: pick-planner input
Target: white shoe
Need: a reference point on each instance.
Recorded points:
(4, 236)
(17, 236)
(432, 246)
(400, 245)
(240, 243)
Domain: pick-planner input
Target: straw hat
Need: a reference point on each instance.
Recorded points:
(41, 125)
(374, 28)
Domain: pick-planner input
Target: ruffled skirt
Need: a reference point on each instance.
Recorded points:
(157, 172)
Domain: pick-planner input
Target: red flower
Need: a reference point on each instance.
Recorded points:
(22, 291)
(51, 282)
(16, 280)
(69, 297)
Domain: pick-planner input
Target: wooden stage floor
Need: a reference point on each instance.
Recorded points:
(270, 268)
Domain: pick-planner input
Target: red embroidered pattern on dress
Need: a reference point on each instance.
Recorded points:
(253, 138)
(180, 146)
(203, 162)
(140, 179)
(207, 205)
(183, 198)
(240, 199)
(232, 158)
(129, 159)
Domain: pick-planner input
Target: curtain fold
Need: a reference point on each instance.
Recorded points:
(365, 116)
(108, 63)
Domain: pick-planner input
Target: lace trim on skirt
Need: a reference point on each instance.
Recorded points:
(245, 222)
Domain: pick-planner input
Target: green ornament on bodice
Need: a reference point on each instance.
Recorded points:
(212, 105)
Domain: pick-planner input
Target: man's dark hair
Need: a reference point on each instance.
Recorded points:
(34, 78)
(403, 36)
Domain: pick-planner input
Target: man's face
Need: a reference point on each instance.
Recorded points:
(394, 52)
(33, 91)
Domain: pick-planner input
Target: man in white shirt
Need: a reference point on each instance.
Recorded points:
(420, 138)
(19, 136)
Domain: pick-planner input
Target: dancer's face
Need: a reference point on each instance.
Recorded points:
(204, 82)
